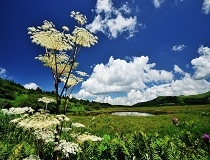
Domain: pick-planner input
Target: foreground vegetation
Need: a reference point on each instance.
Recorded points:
(152, 137)
(130, 137)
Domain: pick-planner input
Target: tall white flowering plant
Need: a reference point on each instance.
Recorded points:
(57, 44)
(61, 51)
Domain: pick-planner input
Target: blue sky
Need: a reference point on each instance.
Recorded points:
(146, 48)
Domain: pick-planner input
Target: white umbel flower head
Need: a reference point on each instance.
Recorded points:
(18, 110)
(46, 135)
(78, 125)
(47, 100)
(62, 117)
(68, 148)
(83, 37)
(32, 157)
(36, 121)
(72, 81)
(81, 19)
(49, 37)
(86, 137)
(62, 61)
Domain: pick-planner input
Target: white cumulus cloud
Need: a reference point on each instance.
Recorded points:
(206, 6)
(3, 73)
(202, 63)
(184, 86)
(113, 21)
(127, 82)
(178, 70)
(31, 85)
(178, 47)
(120, 77)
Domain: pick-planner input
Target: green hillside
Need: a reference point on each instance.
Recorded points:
(15, 95)
(203, 98)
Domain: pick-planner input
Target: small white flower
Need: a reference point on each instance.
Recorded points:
(82, 73)
(65, 28)
(81, 19)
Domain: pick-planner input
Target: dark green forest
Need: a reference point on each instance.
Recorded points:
(13, 94)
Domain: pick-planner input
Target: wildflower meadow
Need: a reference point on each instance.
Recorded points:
(28, 133)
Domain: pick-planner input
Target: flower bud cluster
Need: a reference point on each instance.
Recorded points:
(72, 80)
(47, 100)
(68, 148)
(62, 118)
(18, 110)
(45, 135)
(32, 157)
(36, 121)
(81, 19)
(83, 37)
(59, 62)
(49, 37)
(86, 137)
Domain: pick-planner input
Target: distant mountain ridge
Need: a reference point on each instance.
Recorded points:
(203, 98)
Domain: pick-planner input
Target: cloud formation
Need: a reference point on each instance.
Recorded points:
(157, 3)
(185, 86)
(135, 80)
(206, 6)
(178, 70)
(121, 76)
(178, 48)
(202, 63)
(3, 73)
(113, 21)
(31, 85)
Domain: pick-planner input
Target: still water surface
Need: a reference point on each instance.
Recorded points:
(131, 114)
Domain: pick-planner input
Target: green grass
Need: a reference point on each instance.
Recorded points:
(105, 123)
(126, 136)
(153, 110)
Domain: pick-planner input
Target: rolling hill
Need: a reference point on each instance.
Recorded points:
(203, 98)
(15, 95)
